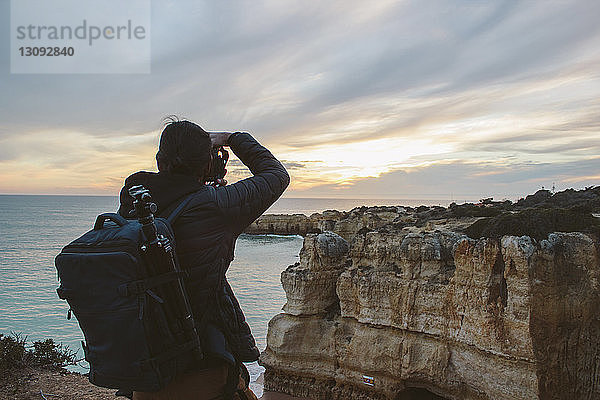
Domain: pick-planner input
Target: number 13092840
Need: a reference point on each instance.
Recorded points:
(46, 51)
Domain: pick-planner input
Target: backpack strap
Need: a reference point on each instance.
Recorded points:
(179, 209)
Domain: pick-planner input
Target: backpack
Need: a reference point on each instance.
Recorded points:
(123, 283)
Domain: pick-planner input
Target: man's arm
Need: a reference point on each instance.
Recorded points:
(244, 201)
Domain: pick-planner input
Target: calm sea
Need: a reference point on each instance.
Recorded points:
(33, 229)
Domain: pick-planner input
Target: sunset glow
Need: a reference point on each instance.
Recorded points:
(471, 99)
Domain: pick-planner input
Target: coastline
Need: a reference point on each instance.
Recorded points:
(494, 300)
(366, 229)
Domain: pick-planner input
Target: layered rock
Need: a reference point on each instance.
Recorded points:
(345, 224)
(536, 216)
(322, 260)
(508, 318)
(283, 224)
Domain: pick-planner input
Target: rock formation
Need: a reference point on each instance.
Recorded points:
(283, 224)
(536, 216)
(408, 309)
(348, 223)
(345, 224)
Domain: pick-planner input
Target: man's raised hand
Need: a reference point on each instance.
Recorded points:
(219, 138)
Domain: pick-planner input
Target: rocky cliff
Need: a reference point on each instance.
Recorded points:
(536, 215)
(348, 223)
(401, 311)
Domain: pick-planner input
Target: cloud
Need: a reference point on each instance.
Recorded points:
(342, 91)
(292, 165)
(60, 162)
(464, 181)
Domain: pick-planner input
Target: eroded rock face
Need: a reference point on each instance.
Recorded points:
(345, 224)
(395, 279)
(462, 318)
(536, 216)
(283, 224)
(565, 316)
(310, 284)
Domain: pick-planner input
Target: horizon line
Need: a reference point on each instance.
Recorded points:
(428, 197)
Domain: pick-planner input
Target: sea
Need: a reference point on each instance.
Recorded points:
(34, 228)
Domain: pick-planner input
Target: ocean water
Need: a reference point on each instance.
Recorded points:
(33, 229)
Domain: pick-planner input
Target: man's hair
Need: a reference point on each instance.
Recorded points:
(184, 148)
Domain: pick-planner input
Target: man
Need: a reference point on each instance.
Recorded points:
(206, 232)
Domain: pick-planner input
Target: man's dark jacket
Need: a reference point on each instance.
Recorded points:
(206, 232)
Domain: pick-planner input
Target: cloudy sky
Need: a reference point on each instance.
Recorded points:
(399, 99)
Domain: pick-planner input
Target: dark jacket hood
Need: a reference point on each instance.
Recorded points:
(166, 189)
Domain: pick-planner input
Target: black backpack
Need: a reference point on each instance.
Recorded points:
(123, 283)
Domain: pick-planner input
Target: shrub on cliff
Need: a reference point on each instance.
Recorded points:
(474, 210)
(12, 352)
(536, 223)
(585, 200)
(16, 353)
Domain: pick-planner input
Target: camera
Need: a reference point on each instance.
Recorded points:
(217, 173)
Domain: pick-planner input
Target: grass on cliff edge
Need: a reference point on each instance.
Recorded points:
(18, 359)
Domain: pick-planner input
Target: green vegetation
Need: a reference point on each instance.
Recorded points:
(535, 222)
(16, 353)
